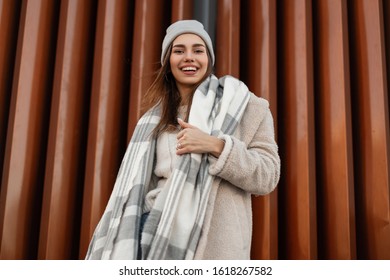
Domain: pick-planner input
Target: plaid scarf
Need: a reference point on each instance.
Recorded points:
(173, 228)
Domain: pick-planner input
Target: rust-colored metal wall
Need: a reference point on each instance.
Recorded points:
(72, 76)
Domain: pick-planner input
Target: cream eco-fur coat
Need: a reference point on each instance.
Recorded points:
(249, 164)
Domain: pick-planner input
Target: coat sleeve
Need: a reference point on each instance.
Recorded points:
(253, 167)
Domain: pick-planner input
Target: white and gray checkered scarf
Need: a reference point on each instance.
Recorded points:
(173, 227)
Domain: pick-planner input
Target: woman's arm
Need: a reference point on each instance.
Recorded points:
(254, 168)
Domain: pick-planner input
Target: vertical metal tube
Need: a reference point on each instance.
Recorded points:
(228, 38)
(205, 11)
(336, 203)
(371, 129)
(149, 30)
(182, 9)
(258, 70)
(9, 20)
(23, 173)
(60, 220)
(107, 123)
(298, 230)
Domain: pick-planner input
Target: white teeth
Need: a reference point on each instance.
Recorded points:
(189, 69)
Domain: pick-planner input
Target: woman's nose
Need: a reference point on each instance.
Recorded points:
(188, 57)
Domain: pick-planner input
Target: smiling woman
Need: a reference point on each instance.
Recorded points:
(189, 62)
(202, 147)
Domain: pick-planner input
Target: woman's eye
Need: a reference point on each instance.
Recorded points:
(178, 51)
(199, 51)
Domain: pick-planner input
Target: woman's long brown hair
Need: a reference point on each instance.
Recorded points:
(163, 92)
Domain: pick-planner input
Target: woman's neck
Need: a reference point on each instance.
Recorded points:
(186, 95)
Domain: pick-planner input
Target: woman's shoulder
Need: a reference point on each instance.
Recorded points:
(258, 101)
(257, 105)
(257, 112)
(254, 100)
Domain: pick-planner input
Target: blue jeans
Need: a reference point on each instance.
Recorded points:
(141, 228)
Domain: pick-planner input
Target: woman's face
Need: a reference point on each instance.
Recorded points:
(188, 61)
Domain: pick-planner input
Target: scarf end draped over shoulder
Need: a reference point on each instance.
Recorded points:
(173, 227)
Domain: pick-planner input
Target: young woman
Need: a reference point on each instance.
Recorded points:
(202, 148)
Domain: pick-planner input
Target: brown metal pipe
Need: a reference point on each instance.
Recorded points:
(68, 126)
(9, 19)
(258, 70)
(182, 9)
(335, 177)
(298, 233)
(66, 117)
(228, 38)
(27, 132)
(148, 36)
(371, 129)
(107, 132)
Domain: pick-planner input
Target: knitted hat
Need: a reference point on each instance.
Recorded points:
(186, 26)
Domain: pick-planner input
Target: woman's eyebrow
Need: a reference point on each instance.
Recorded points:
(183, 46)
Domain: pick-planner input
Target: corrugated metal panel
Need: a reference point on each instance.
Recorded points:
(72, 76)
(334, 132)
(108, 109)
(65, 163)
(371, 129)
(25, 153)
(9, 23)
(227, 45)
(258, 70)
(298, 225)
